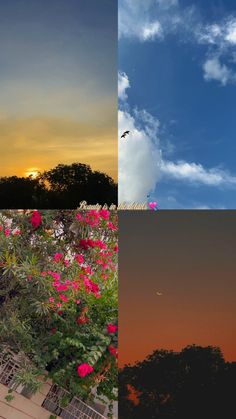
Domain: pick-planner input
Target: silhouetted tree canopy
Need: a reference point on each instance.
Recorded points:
(64, 186)
(196, 383)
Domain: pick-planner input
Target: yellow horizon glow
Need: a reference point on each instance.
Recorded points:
(48, 142)
(32, 172)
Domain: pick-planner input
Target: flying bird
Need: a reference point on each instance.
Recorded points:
(159, 293)
(124, 134)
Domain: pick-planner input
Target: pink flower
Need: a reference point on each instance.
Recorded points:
(79, 258)
(63, 298)
(92, 218)
(111, 328)
(62, 287)
(55, 275)
(59, 305)
(113, 351)
(7, 232)
(51, 299)
(105, 214)
(92, 287)
(100, 244)
(36, 219)
(17, 232)
(116, 248)
(79, 216)
(78, 301)
(84, 369)
(111, 226)
(83, 243)
(58, 257)
(90, 243)
(43, 274)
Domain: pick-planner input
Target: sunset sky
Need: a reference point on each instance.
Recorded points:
(190, 258)
(58, 83)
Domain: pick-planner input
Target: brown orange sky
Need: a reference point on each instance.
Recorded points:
(189, 256)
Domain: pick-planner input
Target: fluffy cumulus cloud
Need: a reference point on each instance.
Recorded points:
(141, 164)
(214, 70)
(139, 153)
(151, 31)
(139, 159)
(154, 19)
(220, 38)
(196, 174)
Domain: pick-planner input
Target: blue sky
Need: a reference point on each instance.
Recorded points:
(177, 88)
(58, 83)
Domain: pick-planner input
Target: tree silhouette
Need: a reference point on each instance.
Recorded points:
(196, 383)
(62, 187)
(20, 192)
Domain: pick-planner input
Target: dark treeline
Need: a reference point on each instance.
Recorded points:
(63, 187)
(196, 383)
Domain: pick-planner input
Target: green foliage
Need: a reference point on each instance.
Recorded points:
(53, 338)
(9, 398)
(29, 377)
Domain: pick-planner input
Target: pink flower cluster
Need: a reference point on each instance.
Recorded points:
(7, 231)
(59, 257)
(36, 219)
(105, 260)
(112, 328)
(94, 217)
(90, 286)
(84, 369)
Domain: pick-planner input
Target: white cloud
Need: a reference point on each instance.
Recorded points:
(230, 35)
(123, 84)
(139, 157)
(196, 174)
(153, 19)
(148, 20)
(222, 34)
(214, 70)
(151, 31)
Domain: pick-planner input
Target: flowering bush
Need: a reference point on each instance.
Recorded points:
(58, 295)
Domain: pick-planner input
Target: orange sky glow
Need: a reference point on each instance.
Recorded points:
(189, 256)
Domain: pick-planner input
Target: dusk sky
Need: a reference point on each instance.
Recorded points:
(177, 96)
(58, 83)
(190, 258)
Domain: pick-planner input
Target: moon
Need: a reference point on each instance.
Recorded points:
(159, 293)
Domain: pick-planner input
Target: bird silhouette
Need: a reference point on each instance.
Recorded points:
(124, 134)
